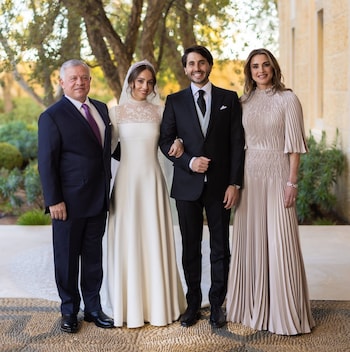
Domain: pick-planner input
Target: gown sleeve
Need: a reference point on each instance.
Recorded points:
(115, 134)
(295, 141)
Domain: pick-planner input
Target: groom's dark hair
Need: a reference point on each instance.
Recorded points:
(200, 50)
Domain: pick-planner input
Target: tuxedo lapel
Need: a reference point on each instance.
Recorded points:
(217, 99)
(190, 104)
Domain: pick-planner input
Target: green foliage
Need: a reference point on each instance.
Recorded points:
(34, 217)
(318, 173)
(324, 221)
(18, 187)
(24, 109)
(23, 137)
(32, 184)
(10, 182)
(10, 156)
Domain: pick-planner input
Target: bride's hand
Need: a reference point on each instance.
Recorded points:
(176, 149)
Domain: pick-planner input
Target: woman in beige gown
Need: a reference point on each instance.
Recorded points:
(267, 288)
(141, 275)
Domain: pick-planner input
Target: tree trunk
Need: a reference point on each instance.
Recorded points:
(6, 88)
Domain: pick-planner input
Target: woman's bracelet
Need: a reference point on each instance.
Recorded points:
(290, 184)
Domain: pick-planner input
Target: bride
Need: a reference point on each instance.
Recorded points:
(142, 282)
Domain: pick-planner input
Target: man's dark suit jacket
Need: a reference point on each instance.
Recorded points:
(223, 143)
(74, 168)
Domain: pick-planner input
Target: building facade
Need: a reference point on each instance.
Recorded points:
(315, 60)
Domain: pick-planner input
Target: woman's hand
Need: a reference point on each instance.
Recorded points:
(290, 195)
(291, 190)
(176, 149)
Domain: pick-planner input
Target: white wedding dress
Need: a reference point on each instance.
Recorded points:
(141, 280)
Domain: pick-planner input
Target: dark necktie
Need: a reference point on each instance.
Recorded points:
(201, 101)
(92, 122)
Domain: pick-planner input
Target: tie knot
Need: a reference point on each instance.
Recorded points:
(85, 107)
(201, 93)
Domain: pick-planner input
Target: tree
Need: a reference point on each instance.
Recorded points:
(30, 36)
(110, 34)
(156, 30)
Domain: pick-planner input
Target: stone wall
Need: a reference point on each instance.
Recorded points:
(315, 62)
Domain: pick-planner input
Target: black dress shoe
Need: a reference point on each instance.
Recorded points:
(69, 323)
(190, 317)
(100, 319)
(217, 317)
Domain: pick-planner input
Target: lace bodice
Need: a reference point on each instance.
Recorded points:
(133, 112)
(136, 111)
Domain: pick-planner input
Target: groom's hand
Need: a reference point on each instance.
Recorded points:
(200, 164)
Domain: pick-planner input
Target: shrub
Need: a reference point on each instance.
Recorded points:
(22, 136)
(10, 156)
(32, 184)
(324, 221)
(318, 174)
(34, 217)
(19, 187)
(10, 182)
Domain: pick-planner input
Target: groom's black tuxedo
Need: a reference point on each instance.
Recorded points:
(224, 145)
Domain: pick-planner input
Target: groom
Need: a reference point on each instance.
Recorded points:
(207, 176)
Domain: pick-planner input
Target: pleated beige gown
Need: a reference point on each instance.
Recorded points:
(267, 287)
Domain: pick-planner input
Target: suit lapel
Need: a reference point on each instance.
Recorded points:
(102, 114)
(105, 119)
(77, 114)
